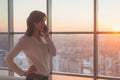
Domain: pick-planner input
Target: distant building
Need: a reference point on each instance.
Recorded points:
(3, 53)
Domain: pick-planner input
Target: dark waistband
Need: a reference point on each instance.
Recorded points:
(37, 76)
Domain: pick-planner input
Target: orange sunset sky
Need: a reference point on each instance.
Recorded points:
(67, 15)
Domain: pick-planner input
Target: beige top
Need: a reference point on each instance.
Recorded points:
(37, 52)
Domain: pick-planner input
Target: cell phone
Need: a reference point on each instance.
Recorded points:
(45, 28)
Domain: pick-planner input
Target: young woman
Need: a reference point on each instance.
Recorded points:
(37, 47)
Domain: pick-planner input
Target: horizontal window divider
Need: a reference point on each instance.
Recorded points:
(108, 32)
(3, 32)
(4, 68)
(108, 77)
(71, 32)
(67, 32)
(71, 74)
(84, 32)
(17, 32)
(12, 32)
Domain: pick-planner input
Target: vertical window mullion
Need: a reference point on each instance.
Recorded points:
(10, 28)
(49, 16)
(95, 42)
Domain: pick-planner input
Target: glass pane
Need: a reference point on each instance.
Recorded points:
(22, 9)
(108, 15)
(20, 59)
(74, 53)
(70, 15)
(3, 15)
(3, 72)
(109, 55)
(63, 77)
(3, 49)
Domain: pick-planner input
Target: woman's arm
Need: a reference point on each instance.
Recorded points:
(51, 46)
(12, 54)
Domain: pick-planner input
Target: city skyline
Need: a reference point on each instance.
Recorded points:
(79, 53)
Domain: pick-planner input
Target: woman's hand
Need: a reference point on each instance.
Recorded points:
(45, 31)
(31, 69)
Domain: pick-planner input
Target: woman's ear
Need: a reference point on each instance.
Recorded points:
(35, 24)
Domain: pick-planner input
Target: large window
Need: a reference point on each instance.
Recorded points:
(86, 34)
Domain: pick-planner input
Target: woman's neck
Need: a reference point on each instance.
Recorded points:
(36, 34)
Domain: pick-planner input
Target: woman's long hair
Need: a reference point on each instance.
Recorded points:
(34, 17)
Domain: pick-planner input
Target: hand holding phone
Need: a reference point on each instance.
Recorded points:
(45, 31)
(45, 28)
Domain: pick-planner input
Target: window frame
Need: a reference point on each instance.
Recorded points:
(95, 34)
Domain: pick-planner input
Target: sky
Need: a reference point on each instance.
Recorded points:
(67, 15)
(108, 14)
(3, 16)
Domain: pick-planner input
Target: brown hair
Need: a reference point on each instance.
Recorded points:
(34, 17)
